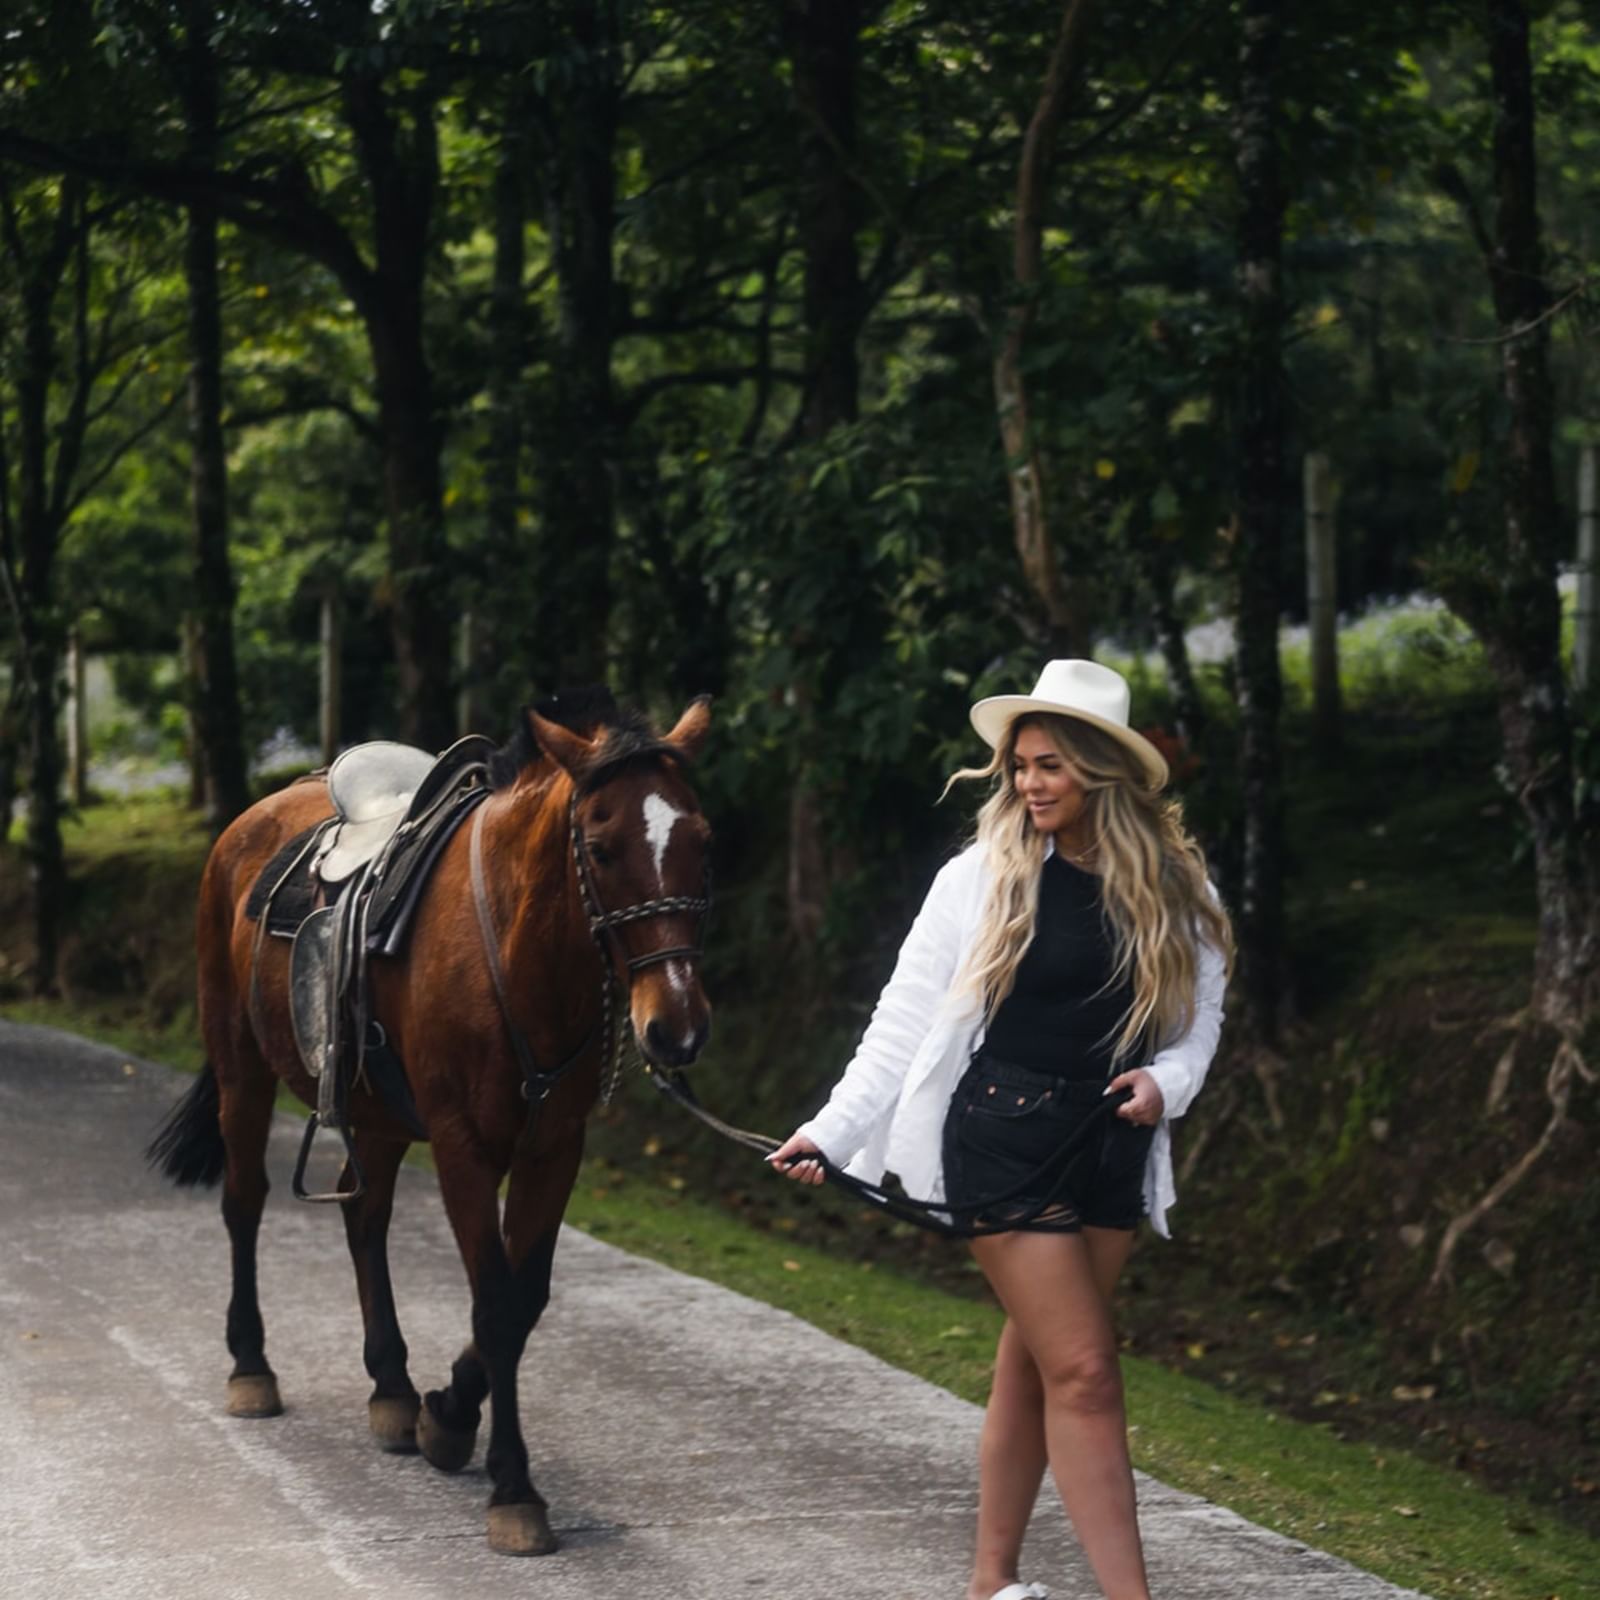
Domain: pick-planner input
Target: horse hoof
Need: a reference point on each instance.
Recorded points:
(254, 1394)
(448, 1449)
(393, 1420)
(522, 1530)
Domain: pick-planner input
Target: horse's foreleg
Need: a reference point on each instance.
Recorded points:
(541, 1182)
(511, 1287)
(245, 1113)
(447, 1426)
(392, 1408)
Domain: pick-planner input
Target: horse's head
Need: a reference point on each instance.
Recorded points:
(641, 849)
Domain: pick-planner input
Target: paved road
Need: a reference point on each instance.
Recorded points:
(691, 1443)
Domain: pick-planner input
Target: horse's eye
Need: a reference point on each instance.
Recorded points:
(598, 853)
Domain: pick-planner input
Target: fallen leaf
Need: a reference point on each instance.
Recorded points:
(1418, 1391)
(1407, 1511)
(791, 1266)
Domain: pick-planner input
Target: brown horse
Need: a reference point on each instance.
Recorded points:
(600, 800)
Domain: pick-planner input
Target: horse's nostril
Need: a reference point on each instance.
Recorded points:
(674, 1052)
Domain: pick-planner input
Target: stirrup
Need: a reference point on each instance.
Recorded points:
(334, 1196)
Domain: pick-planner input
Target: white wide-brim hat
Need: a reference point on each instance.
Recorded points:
(1082, 689)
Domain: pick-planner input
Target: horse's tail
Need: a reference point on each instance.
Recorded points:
(188, 1147)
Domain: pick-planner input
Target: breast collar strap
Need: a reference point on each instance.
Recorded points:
(536, 1081)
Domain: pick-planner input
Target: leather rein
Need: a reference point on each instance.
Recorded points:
(942, 1217)
(537, 1081)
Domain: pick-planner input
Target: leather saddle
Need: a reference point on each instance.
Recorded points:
(395, 809)
(372, 787)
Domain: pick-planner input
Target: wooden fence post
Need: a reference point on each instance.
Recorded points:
(193, 668)
(77, 723)
(469, 694)
(330, 677)
(1322, 602)
(1586, 622)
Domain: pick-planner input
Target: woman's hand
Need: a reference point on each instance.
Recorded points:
(783, 1159)
(1147, 1103)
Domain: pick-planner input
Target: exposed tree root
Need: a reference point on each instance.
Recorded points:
(1567, 1063)
(1266, 1065)
(1520, 1023)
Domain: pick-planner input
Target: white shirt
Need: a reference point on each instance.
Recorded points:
(887, 1112)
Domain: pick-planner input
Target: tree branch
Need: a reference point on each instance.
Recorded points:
(135, 436)
(630, 405)
(281, 209)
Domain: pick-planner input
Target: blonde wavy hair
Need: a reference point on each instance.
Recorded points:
(1153, 880)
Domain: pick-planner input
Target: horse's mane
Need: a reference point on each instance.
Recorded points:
(593, 712)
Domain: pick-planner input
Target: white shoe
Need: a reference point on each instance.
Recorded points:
(1021, 1591)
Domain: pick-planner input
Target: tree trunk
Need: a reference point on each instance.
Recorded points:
(1514, 606)
(822, 40)
(41, 511)
(411, 442)
(13, 719)
(580, 212)
(1262, 400)
(216, 689)
(398, 146)
(1067, 628)
(497, 607)
(1158, 560)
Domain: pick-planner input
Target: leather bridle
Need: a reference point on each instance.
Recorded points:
(537, 1081)
(603, 922)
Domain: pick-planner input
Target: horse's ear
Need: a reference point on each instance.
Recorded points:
(567, 749)
(690, 734)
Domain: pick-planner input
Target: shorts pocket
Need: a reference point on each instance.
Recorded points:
(991, 1096)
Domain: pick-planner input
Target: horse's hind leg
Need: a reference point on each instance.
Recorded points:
(392, 1408)
(246, 1116)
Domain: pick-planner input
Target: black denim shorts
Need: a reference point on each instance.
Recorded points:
(1004, 1125)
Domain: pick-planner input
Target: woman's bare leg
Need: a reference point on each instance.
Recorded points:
(1055, 1289)
(1011, 1463)
(1011, 1451)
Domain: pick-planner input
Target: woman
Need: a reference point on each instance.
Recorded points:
(1075, 949)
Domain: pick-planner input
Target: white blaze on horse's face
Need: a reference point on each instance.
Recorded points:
(660, 818)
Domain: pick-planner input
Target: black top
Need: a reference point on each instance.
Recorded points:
(1060, 1017)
